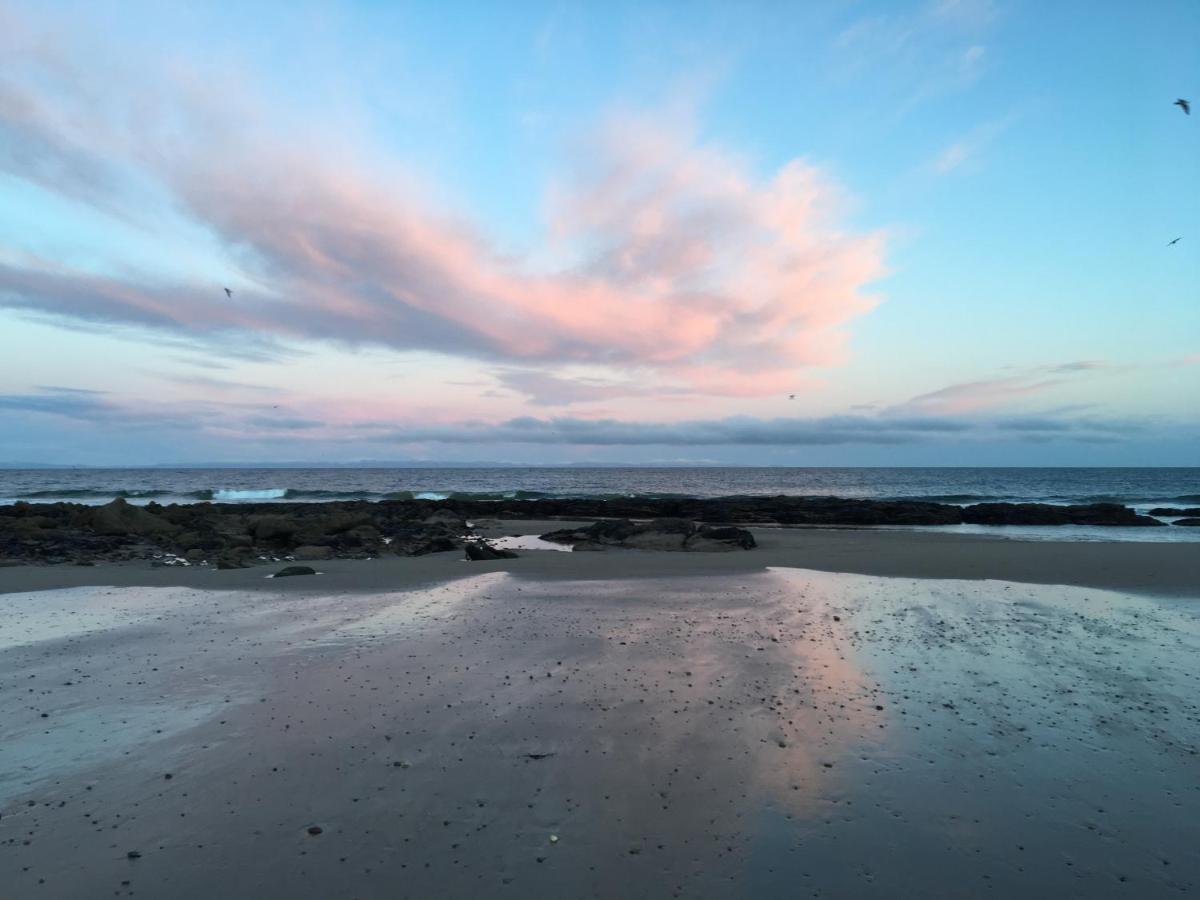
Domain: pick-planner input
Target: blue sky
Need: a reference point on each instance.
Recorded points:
(571, 231)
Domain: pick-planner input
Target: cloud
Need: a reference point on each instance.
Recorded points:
(919, 54)
(671, 255)
(748, 431)
(963, 153)
(972, 396)
(72, 403)
(282, 423)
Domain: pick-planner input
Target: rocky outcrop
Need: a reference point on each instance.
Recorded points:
(1110, 514)
(1175, 511)
(659, 534)
(237, 535)
(1190, 522)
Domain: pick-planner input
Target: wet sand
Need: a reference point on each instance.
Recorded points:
(597, 725)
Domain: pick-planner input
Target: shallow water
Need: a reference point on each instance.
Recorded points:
(778, 734)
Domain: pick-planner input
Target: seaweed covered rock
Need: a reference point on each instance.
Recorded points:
(1112, 514)
(479, 551)
(660, 534)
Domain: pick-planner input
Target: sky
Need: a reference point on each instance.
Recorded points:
(824, 233)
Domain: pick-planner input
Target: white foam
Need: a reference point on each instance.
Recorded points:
(228, 495)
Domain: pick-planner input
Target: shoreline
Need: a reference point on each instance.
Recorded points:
(1164, 569)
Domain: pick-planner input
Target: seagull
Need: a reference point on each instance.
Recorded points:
(228, 293)
(1170, 243)
(791, 396)
(1184, 105)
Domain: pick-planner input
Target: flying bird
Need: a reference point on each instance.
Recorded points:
(791, 396)
(1184, 105)
(1170, 243)
(228, 293)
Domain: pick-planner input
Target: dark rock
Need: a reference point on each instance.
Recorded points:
(310, 551)
(479, 551)
(273, 529)
(660, 534)
(417, 539)
(295, 570)
(120, 518)
(447, 518)
(1189, 522)
(53, 533)
(1047, 514)
(1175, 511)
(723, 538)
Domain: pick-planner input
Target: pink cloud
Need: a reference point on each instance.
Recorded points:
(682, 263)
(990, 393)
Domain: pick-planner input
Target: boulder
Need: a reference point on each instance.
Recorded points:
(1175, 511)
(1188, 522)
(445, 517)
(119, 517)
(479, 551)
(416, 539)
(272, 529)
(295, 570)
(719, 539)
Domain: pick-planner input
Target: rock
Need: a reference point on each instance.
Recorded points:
(660, 534)
(447, 518)
(121, 518)
(272, 529)
(195, 555)
(416, 539)
(718, 539)
(60, 533)
(361, 536)
(295, 570)
(1175, 511)
(1188, 522)
(311, 551)
(1047, 514)
(606, 531)
(479, 551)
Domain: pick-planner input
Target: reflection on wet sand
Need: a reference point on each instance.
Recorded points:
(776, 734)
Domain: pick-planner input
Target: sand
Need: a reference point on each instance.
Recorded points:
(610, 725)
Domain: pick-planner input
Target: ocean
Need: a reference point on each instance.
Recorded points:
(1138, 488)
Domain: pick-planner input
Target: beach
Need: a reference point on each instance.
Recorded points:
(836, 713)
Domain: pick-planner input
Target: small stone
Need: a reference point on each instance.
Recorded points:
(134, 854)
(314, 830)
